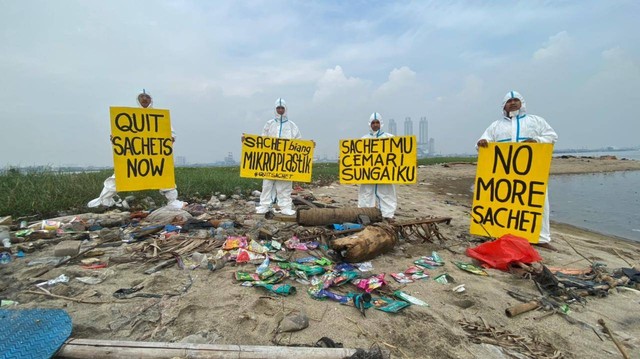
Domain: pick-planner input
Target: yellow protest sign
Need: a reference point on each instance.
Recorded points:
(276, 158)
(142, 148)
(379, 160)
(509, 192)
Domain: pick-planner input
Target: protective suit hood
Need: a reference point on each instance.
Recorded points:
(283, 117)
(375, 116)
(510, 95)
(144, 92)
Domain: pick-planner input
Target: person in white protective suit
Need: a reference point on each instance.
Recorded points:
(275, 190)
(383, 194)
(516, 125)
(107, 197)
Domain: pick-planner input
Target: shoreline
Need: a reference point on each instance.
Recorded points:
(459, 177)
(567, 227)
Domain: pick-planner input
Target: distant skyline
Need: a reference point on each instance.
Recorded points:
(219, 66)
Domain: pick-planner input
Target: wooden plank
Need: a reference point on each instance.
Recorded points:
(112, 349)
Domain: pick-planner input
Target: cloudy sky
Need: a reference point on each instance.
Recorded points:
(218, 66)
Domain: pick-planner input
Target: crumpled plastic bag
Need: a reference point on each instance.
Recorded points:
(171, 194)
(503, 251)
(168, 214)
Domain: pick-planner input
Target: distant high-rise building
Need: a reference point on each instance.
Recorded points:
(181, 161)
(392, 128)
(423, 137)
(229, 161)
(432, 146)
(423, 132)
(408, 126)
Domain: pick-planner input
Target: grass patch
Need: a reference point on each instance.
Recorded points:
(50, 193)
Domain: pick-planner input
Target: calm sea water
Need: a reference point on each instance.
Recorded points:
(608, 203)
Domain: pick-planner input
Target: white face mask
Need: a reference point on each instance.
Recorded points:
(513, 114)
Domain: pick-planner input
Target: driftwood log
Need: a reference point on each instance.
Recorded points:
(367, 244)
(326, 216)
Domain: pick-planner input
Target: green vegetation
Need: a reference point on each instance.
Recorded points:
(49, 193)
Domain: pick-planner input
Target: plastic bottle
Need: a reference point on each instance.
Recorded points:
(227, 224)
(5, 258)
(5, 237)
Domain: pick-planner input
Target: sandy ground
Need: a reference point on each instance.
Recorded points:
(212, 308)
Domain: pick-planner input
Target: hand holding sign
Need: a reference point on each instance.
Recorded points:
(378, 160)
(276, 158)
(142, 148)
(510, 187)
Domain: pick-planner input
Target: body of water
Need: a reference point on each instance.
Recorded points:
(608, 203)
(631, 155)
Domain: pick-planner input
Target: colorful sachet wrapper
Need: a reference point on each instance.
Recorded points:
(371, 283)
(246, 256)
(389, 305)
(408, 298)
(234, 242)
(257, 247)
(468, 267)
(410, 275)
(282, 289)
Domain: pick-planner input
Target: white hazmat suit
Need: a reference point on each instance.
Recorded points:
(518, 128)
(275, 190)
(383, 194)
(108, 194)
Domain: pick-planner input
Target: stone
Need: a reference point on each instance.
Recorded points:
(214, 203)
(109, 235)
(67, 248)
(294, 322)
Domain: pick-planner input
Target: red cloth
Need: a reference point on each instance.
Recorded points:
(504, 250)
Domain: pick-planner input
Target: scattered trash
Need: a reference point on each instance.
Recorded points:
(503, 251)
(459, 289)
(408, 298)
(5, 237)
(234, 242)
(389, 305)
(282, 289)
(97, 265)
(126, 293)
(410, 275)
(430, 262)
(8, 303)
(60, 279)
(364, 267)
(47, 261)
(96, 278)
(371, 283)
(294, 243)
(468, 267)
(5, 257)
(346, 226)
(362, 302)
(444, 279)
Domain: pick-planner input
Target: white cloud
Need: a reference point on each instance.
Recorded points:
(335, 86)
(556, 47)
(399, 79)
